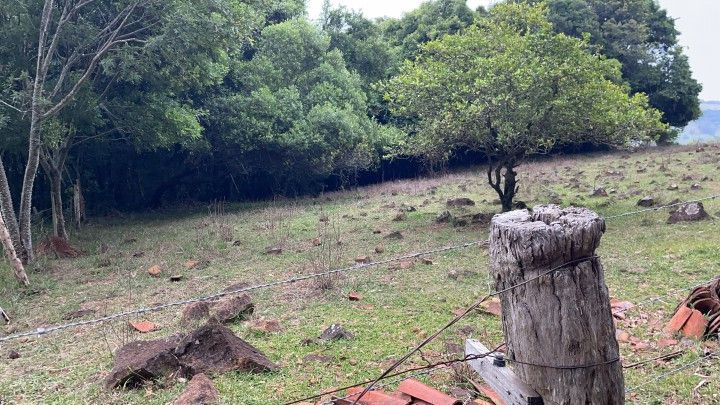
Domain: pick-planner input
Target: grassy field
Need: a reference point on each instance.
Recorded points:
(647, 262)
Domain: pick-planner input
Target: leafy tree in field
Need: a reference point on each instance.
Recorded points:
(293, 112)
(512, 87)
(430, 21)
(643, 38)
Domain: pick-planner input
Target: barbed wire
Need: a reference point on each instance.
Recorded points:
(415, 371)
(667, 374)
(625, 214)
(469, 309)
(43, 331)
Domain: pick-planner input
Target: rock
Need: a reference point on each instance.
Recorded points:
(673, 187)
(400, 216)
(599, 192)
(334, 332)
(444, 217)
(195, 313)
(141, 361)
(265, 326)
(394, 235)
(460, 202)
(230, 309)
(380, 249)
(481, 218)
(696, 186)
(364, 259)
(155, 271)
(13, 355)
(176, 278)
(646, 202)
(78, 314)
(460, 222)
(407, 208)
(273, 250)
(200, 391)
(213, 348)
(693, 211)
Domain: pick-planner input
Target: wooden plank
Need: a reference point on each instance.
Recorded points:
(501, 379)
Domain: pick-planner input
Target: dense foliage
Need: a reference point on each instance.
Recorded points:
(511, 87)
(138, 103)
(643, 37)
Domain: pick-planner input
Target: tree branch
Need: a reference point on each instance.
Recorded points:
(120, 21)
(12, 107)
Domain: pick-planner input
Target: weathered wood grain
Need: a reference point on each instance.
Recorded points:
(502, 380)
(562, 319)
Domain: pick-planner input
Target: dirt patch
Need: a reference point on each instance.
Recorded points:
(58, 247)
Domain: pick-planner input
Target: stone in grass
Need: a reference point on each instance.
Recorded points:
(200, 391)
(693, 211)
(396, 235)
(460, 202)
(212, 348)
(647, 201)
(195, 313)
(334, 332)
(444, 217)
(138, 362)
(232, 308)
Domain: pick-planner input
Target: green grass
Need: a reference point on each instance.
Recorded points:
(643, 258)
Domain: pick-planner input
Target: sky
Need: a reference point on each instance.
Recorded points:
(697, 20)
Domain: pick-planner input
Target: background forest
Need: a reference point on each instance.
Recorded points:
(138, 104)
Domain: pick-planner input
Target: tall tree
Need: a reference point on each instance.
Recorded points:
(430, 21)
(97, 59)
(642, 36)
(293, 111)
(511, 87)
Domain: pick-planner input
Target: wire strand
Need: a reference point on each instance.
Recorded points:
(44, 331)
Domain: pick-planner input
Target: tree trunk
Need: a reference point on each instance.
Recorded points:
(7, 210)
(15, 263)
(502, 177)
(559, 325)
(27, 189)
(56, 200)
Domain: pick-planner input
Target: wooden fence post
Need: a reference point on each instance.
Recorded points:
(558, 328)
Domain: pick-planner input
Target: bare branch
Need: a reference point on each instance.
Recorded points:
(8, 105)
(120, 21)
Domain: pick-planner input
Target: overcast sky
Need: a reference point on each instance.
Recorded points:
(697, 20)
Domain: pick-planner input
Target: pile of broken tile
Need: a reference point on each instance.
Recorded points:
(409, 392)
(699, 314)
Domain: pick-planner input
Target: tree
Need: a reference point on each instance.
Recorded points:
(511, 87)
(292, 112)
(97, 60)
(365, 50)
(430, 21)
(641, 35)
